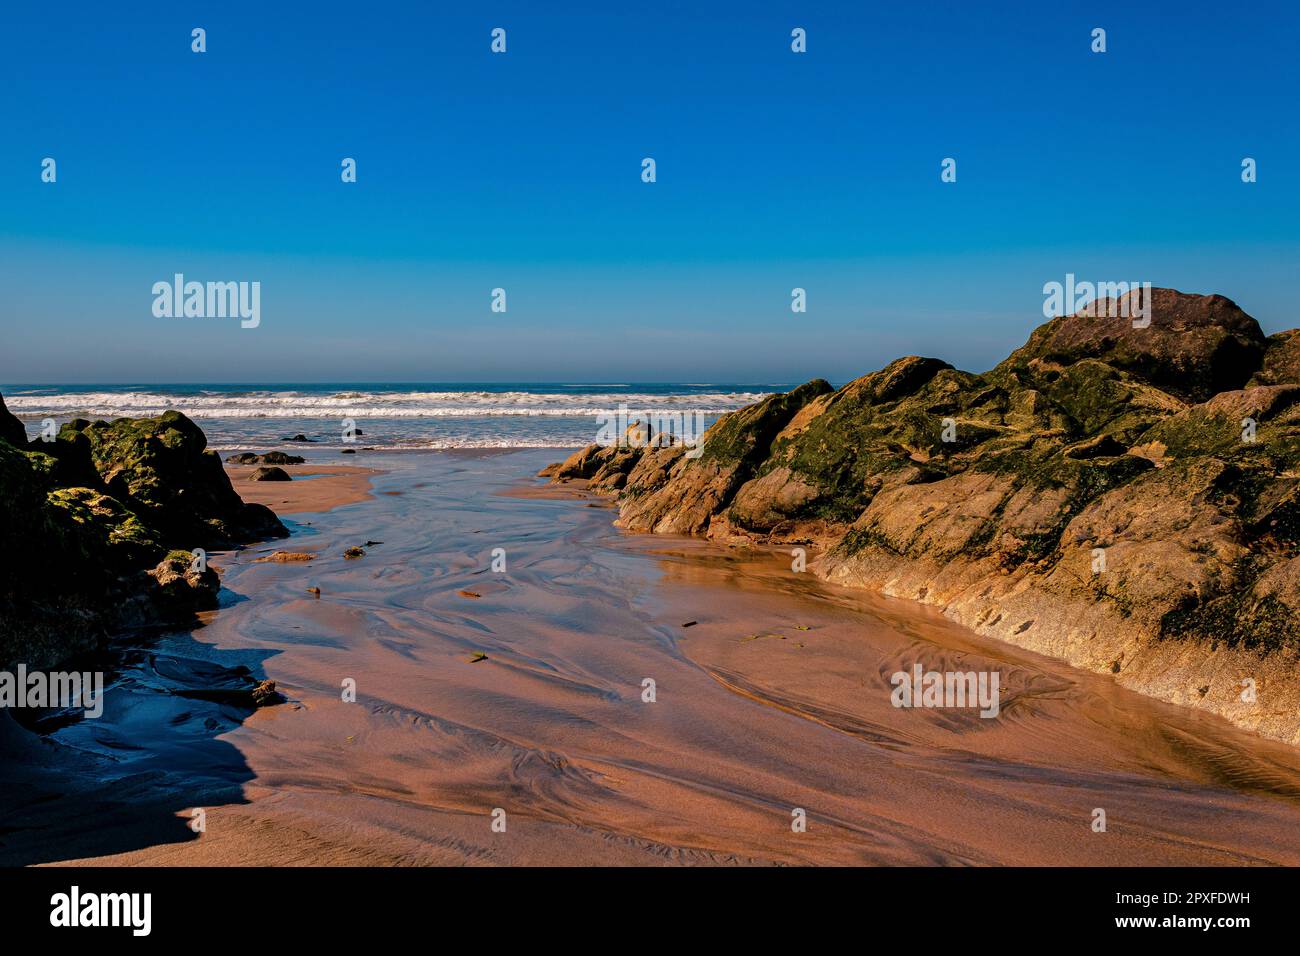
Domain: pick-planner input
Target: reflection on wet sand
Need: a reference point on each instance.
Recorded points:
(528, 698)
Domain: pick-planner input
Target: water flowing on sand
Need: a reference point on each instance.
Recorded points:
(523, 691)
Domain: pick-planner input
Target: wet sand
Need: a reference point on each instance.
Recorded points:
(522, 691)
(314, 488)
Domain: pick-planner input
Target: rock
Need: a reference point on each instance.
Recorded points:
(354, 552)
(270, 474)
(243, 458)
(11, 429)
(1104, 495)
(56, 583)
(348, 451)
(242, 691)
(1102, 446)
(97, 529)
(130, 542)
(583, 463)
(264, 694)
(300, 437)
(1281, 365)
(733, 448)
(280, 458)
(1195, 346)
(183, 589)
(285, 557)
(160, 469)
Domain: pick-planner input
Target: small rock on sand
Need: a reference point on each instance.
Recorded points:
(354, 552)
(286, 556)
(270, 474)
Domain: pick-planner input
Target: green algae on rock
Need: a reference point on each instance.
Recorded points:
(99, 527)
(1125, 498)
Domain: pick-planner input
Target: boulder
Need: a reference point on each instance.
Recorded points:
(280, 458)
(1281, 365)
(182, 587)
(11, 429)
(1127, 499)
(1195, 345)
(97, 529)
(161, 470)
(270, 474)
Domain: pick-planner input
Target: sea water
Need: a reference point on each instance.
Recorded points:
(393, 415)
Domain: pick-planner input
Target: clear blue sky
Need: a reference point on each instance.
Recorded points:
(522, 171)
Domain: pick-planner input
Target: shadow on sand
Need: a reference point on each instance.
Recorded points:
(72, 786)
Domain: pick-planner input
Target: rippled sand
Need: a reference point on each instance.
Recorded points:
(776, 698)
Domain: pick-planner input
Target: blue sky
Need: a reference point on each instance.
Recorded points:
(522, 171)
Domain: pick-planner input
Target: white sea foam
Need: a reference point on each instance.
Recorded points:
(296, 404)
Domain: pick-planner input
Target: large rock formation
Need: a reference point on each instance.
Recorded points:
(97, 527)
(1125, 498)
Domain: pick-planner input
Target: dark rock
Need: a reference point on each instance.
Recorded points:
(11, 429)
(243, 458)
(1100, 447)
(300, 437)
(1195, 346)
(1131, 492)
(270, 474)
(242, 691)
(160, 469)
(1281, 365)
(280, 458)
(97, 528)
(182, 588)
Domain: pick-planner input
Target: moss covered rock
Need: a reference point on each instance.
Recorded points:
(85, 521)
(1104, 494)
(11, 429)
(161, 469)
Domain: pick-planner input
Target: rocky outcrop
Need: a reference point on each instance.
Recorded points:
(1125, 498)
(11, 429)
(98, 528)
(270, 458)
(161, 469)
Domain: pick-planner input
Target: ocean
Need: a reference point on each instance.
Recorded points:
(386, 415)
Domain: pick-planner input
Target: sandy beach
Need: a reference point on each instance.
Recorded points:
(313, 488)
(521, 691)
